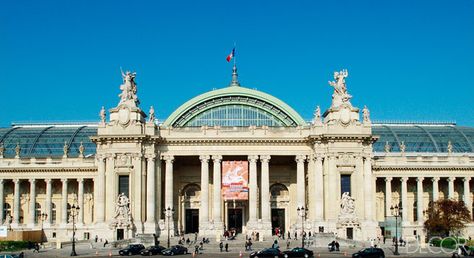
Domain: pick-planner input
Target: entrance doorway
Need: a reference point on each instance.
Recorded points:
(120, 234)
(192, 221)
(278, 220)
(350, 233)
(234, 219)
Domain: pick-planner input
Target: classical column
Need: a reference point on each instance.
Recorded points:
(48, 201)
(318, 188)
(150, 193)
(388, 196)
(404, 199)
(31, 219)
(300, 183)
(265, 189)
(217, 197)
(111, 189)
(419, 200)
(451, 187)
(2, 202)
(64, 202)
(99, 190)
(467, 193)
(253, 187)
(368, 183)
(80, 200)
(169, 182)
(16, 202)
(333, 195)
(435, 181)
(204, 209)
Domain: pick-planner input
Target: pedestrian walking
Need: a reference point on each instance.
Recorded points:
(221, 245)
(227, 247)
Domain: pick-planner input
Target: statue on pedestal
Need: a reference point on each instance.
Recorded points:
(152, 115)
(366, 114)
(340, 95)
(129, 89)
(102, 115)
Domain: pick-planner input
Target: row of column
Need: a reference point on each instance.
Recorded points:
(32, 204)
(419, 194)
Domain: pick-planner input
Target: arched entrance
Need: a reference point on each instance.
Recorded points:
(189, 213)
(279, 202)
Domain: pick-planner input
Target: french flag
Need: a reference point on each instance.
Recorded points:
(231, 55)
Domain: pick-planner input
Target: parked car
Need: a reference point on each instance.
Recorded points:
(175, 249)
(298, 252)
(132, 249)
(267, 252)
(371, 252)
(152, 250)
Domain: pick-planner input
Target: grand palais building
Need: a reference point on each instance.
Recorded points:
(231, 158)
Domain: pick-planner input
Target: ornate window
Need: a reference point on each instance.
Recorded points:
(37, 212)
(278, 190)
(53, 213)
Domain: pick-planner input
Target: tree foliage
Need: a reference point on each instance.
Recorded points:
(446, 216)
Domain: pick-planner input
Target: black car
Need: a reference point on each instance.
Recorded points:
(298, 252)
(152, 250)
(371, 252)
(175, 249)
(132, 249)
(268, 252)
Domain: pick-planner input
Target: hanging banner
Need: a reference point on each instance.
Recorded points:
(235, 179)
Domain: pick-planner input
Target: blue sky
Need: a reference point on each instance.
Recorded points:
(407, 60)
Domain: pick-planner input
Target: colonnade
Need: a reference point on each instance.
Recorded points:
(419, 195)
(30, 221)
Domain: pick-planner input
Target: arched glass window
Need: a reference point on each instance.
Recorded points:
(53, 213)
(37, 212)
(278, 190)
(191, 190)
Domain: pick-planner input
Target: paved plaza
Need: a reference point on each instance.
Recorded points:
(85, 250)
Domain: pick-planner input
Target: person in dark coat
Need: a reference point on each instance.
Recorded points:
(227, 247)
(221, 245)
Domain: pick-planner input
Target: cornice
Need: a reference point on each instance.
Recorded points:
(422, 168)
(49, 169)
(223, 141)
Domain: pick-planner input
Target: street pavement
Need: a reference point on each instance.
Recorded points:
(85, 250)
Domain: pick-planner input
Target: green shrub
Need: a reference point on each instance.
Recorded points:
(448, 242)
(13, 245)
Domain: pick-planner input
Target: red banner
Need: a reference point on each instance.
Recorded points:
(235, 179)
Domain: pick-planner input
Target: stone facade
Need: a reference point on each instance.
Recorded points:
(290, 168)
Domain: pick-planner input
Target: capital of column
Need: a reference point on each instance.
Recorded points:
(150, 156)
(300, 158)
(466, 179)
(80, 180)
(64, 180)
(110, 156)
(137, 156)
(388, 179)
(47, 180)
(204, 158)
(420, 179)
(253, 158)
(435, 179)
(1, 181)
(217, 158)
(404, 179)
(32, 181)
(168, 158)
(265, 158)
(16, 181)
(451, 179)
(100, 157)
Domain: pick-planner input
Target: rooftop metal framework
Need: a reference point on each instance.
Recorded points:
(424, 137)
(47, 141)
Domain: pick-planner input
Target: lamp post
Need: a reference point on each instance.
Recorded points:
(169, 214)
(42, 216)
(302, 214)
(74, 213)
(396, 212)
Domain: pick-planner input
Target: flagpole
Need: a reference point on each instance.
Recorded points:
(234, 53)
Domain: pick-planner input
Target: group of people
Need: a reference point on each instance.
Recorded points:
(221, 246)
(248, 244)
(255, 236)
(333, 246)
(230, 234)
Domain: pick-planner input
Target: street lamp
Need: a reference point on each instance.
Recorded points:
(169, 214)
(302, 214)
(74, 213)
(396, 212)
(42, 216)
